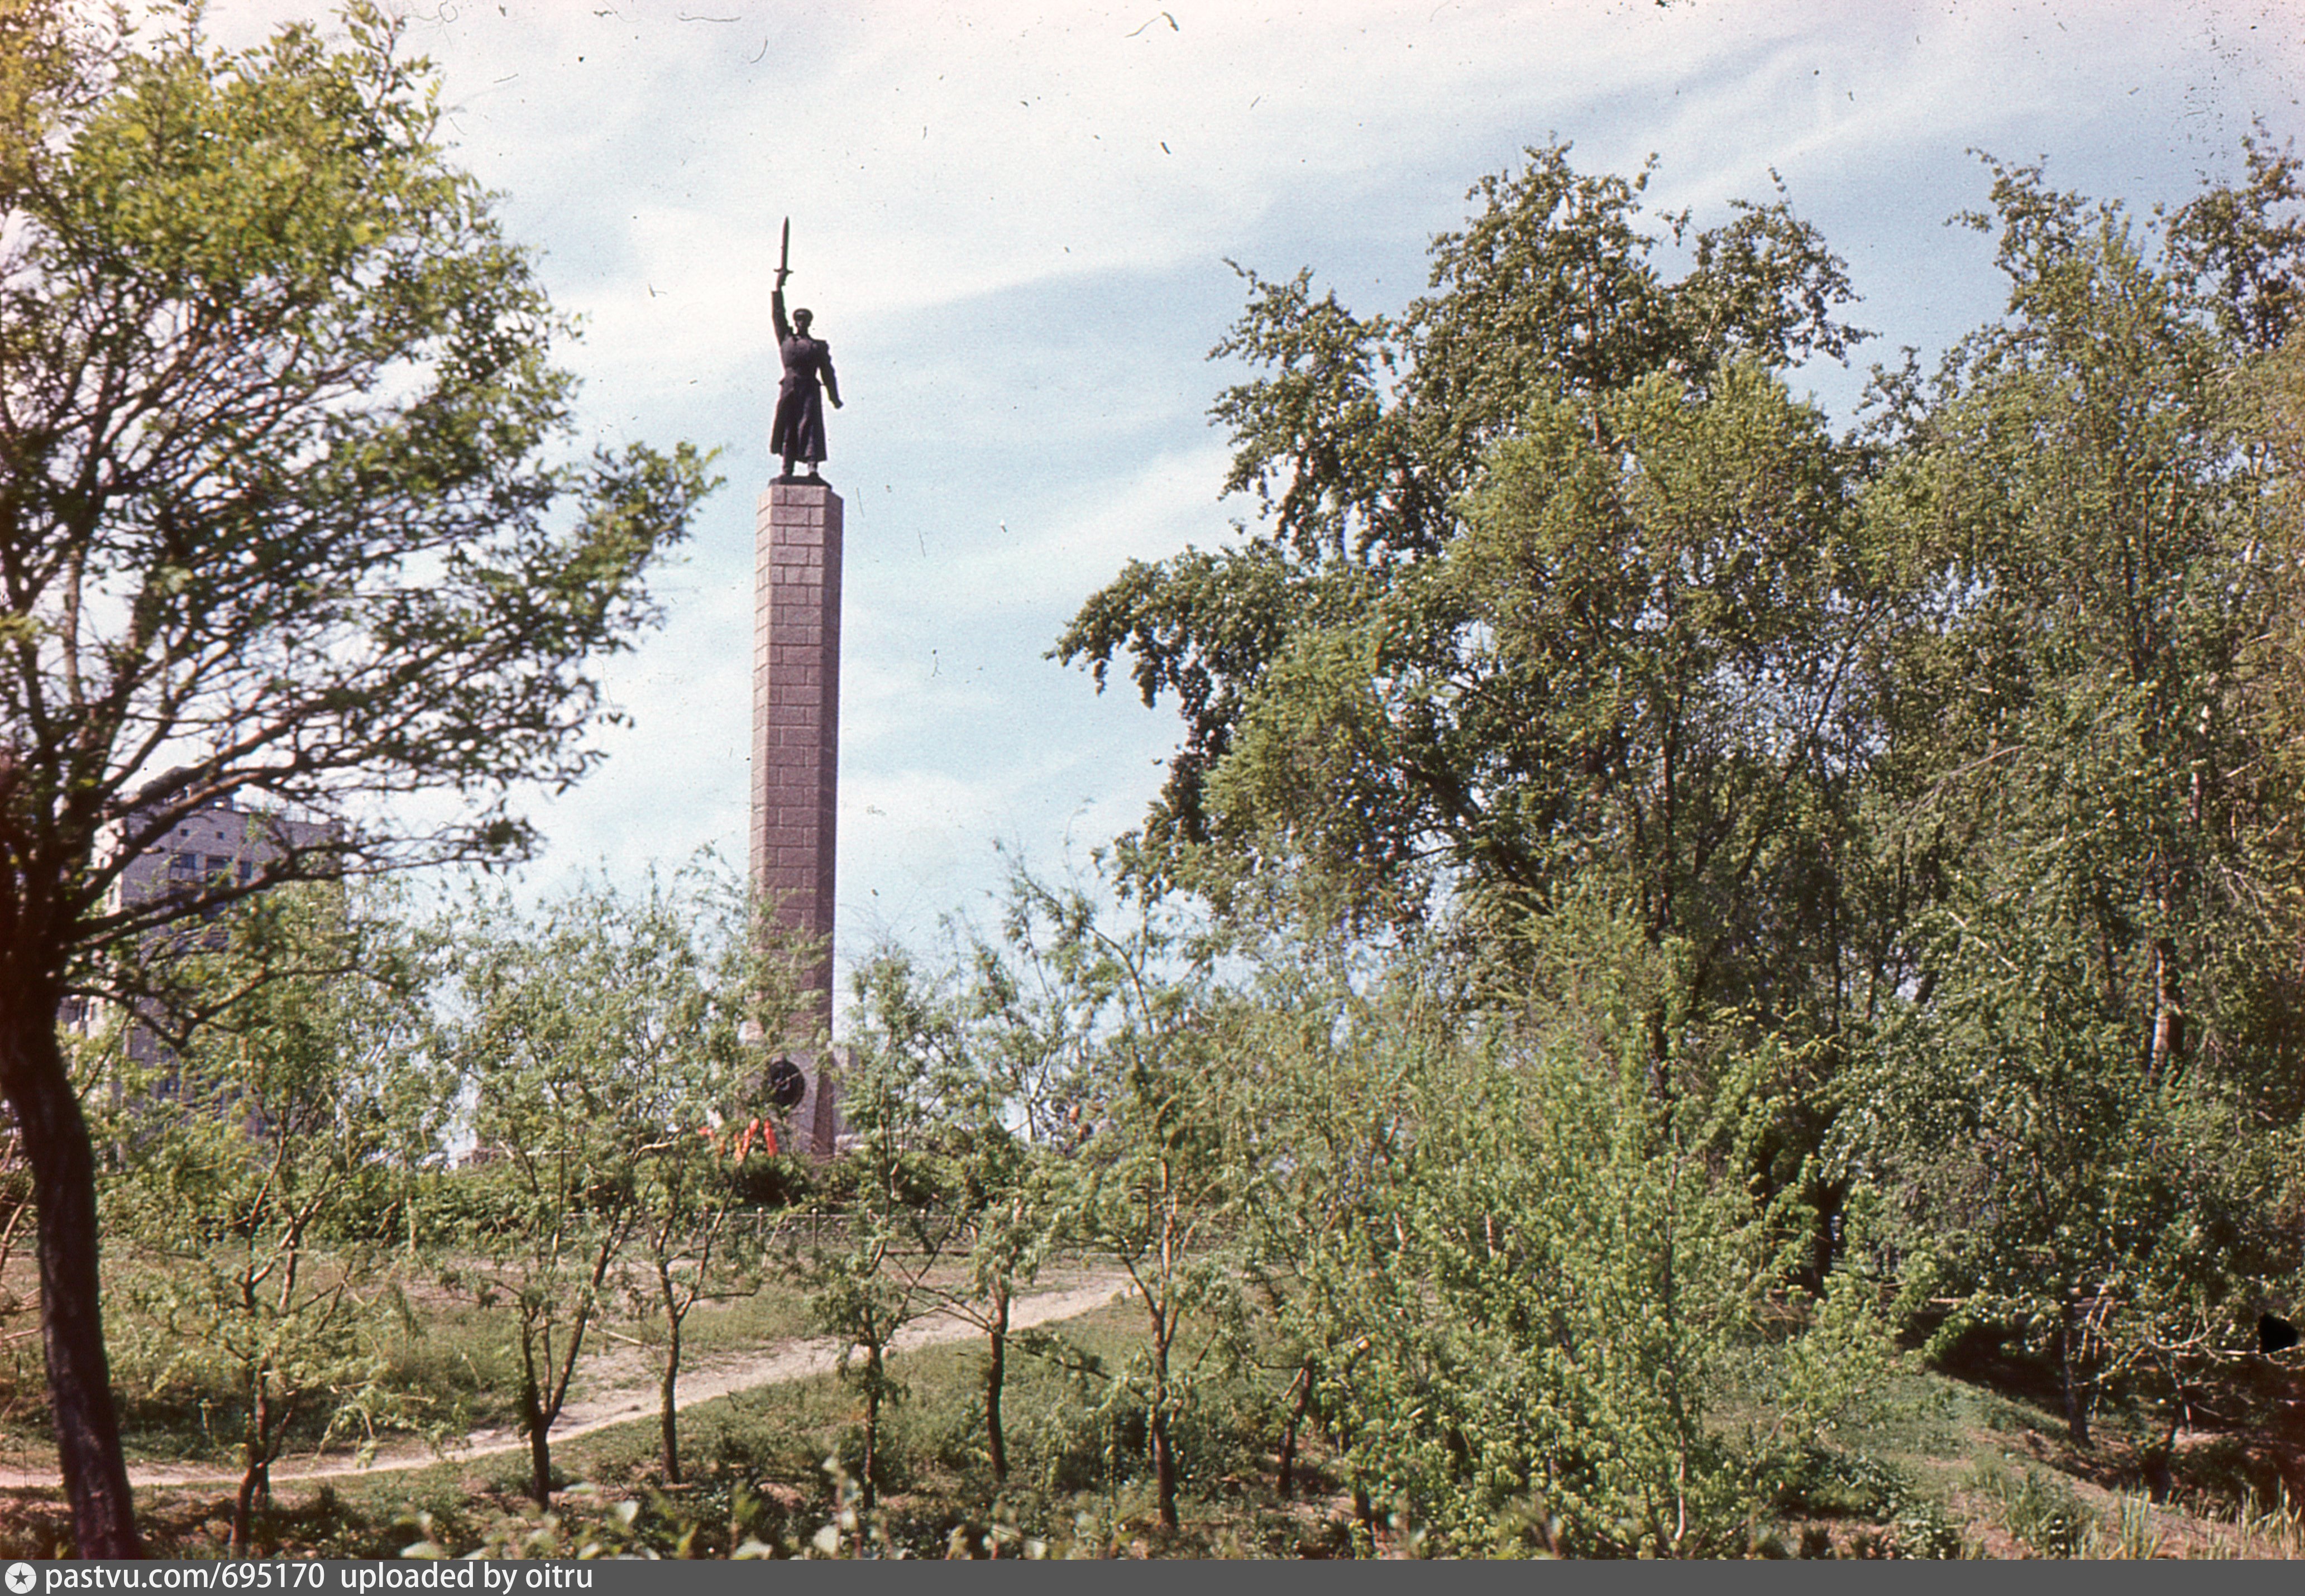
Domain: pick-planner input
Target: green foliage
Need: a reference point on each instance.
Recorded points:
(1564, 1282)
(993, 1062)
(292, 1103)
(1489, 1254)
(1558, 589)
(286, 484)
(599, 1048)
(1652, 897)
(1146, 1185)
(582, 1526)
(770, 1180)
(1360, 440)
(899, 1093)
(2042, 1513)
(1936, 785)
(2066, 1110)
(1634, 663)
(270, 250)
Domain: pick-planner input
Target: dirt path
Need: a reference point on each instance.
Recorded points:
(621, 1404)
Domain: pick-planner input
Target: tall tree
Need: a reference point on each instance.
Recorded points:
(1360, 437)
(1558, 584)
(285, 512)
(2086, 748)
(1644, 660)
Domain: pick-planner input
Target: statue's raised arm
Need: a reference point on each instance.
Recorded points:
(799, 432)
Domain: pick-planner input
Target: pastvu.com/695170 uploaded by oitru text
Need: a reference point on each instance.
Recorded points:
(25, 1579)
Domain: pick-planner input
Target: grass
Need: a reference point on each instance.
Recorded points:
(1939, 1465)
(1994, 1466)
(453, 1360)
(757, 1473)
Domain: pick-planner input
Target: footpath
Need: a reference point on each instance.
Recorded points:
(616, 1403)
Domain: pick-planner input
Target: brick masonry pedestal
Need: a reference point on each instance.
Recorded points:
(796, 742)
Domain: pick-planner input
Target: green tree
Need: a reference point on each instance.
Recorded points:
(1316, 1111)
(2085, 754)
(2051, 1178)
(598, 1046)
(694, 1253)
(1526, 1276)
(887, 1200)
(714, 981)
(1149, 1186)
(1050, 1087)
(1331, 686)
(991, 1183)
(284, 511)
(1556, 583)
(254, 1157)
(1003, 1047)
(1641, 662)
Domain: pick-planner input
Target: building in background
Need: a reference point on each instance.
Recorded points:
(219, 842)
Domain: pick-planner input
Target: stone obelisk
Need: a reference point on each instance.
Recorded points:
(797, 750)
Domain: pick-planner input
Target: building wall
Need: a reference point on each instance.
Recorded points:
(221, 841)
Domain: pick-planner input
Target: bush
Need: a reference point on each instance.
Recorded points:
(2039, 1510)
(772, 1180)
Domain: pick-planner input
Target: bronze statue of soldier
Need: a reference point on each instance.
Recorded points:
(798, 433)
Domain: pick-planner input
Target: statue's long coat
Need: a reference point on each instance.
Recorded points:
(798, 430)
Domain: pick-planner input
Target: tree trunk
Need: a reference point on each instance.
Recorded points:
(2075, 1384)
(1831, 1206)
(2168, 1010)
(539, 1447)
(243, 1508)
(996, 1374)
(1164, 1329)
(256, 1476)
(71, 1318)
(870, 1485)
(668, 1410)
(1286, 1484)
(1164, 1464)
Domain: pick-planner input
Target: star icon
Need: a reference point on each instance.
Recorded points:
(21, 1578)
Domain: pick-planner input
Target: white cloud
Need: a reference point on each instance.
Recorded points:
(1077, 538)
(1019, 281)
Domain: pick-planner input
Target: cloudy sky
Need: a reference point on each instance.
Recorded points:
(1014, 225)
